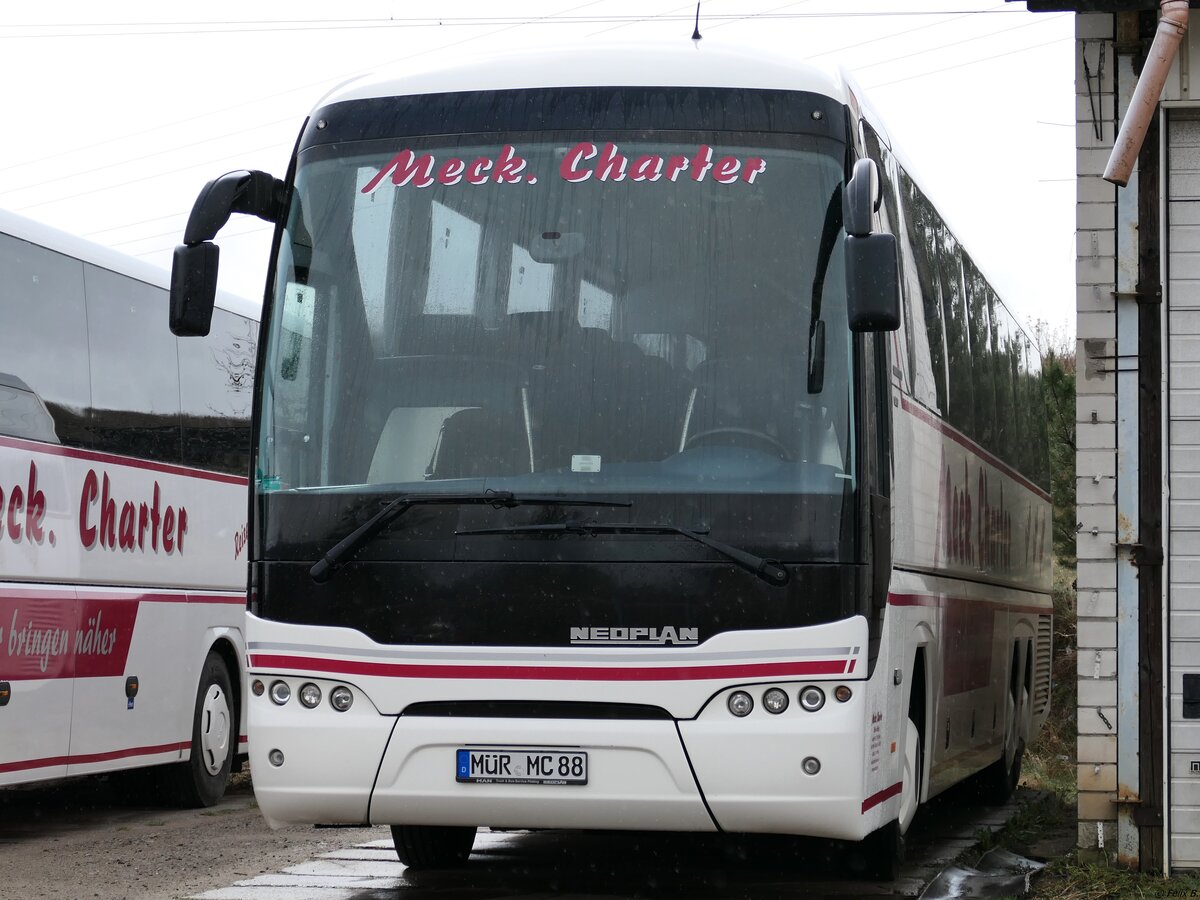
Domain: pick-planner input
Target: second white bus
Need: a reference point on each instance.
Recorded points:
(123, 461)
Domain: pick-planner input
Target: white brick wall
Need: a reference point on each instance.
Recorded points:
(1095, 417)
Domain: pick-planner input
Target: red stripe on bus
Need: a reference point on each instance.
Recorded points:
(119, 594)
(230, 599)
(886, 794)
(129, 461)
(550, 673)
(53, 635)
(962, 440)
(85, 758)
(968, 631)
(944, 600)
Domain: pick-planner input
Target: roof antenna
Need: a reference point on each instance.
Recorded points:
(696, 31)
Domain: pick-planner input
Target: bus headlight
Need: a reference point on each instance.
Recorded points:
(812, 698)
(740, 703)
(310, 695)
(775, 701)
(341, 699)
(281, 692)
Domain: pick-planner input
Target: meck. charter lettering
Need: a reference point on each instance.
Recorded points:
(22, 510)
(138, 525)
(584, 161)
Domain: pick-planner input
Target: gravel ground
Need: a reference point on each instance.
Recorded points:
(102, 838)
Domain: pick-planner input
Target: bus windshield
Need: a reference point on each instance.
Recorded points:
(626, 315)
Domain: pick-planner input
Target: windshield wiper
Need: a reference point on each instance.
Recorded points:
(398, 506)
(769, 570)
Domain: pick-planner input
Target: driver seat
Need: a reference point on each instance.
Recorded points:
(745, 393)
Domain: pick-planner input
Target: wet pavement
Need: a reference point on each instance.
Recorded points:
(604, 866)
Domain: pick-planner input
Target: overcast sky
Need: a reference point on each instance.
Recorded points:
(117, 113)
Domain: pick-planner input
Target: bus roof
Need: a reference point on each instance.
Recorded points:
(681, 63)
(71, 245)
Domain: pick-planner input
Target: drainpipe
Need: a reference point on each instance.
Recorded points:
(1171, 29)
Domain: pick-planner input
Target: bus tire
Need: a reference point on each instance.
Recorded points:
(879, 855)
(998, 781)
(433, 846)
(914, 764)
(201, 780)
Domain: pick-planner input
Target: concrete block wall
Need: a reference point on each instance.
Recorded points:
(1096, 433)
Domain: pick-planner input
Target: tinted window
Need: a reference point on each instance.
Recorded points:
(135, 370)
(43, 343)
(982, 348)
(216, 389)
(929, 343)
(961, 408)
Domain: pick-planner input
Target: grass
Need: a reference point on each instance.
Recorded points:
(1072, 879)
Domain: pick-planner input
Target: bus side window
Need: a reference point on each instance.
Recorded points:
(135, 396)
(216, 389)
(43, 345)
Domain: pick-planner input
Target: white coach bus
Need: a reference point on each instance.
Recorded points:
(123, 506)
(635, 448)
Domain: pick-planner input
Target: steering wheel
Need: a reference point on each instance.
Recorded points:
(732, 431)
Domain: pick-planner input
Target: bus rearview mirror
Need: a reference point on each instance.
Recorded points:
(872, 283)
(193, 288)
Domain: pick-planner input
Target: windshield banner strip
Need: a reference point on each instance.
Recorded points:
(555, 673)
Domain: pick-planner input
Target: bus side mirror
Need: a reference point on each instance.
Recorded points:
(872, 283)
(193, 288)
(194, 267)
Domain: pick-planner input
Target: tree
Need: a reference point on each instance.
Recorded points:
(1058, 395)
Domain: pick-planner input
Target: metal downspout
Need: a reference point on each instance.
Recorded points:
(1165, 513)
(1171, 29)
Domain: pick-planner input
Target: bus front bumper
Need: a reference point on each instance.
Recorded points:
(715, 772)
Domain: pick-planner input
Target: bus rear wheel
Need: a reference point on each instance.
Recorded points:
(433, 846)
(201, 780)
(999, 780)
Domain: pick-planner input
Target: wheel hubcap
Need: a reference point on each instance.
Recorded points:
(215, 729)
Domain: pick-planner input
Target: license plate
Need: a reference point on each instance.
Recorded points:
(520, 765)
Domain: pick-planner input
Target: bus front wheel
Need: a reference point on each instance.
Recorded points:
(433, 846)
(910, 796)
(201, 780)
